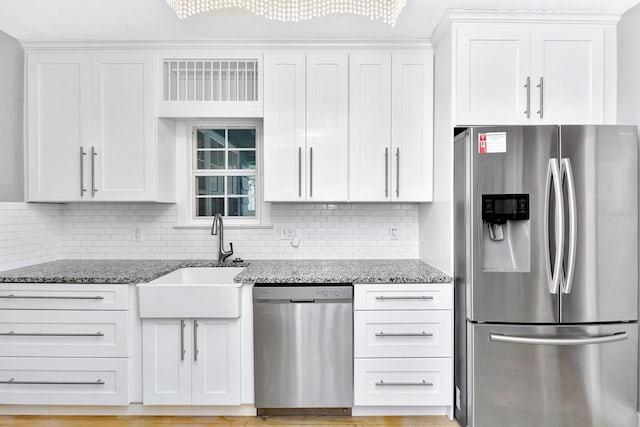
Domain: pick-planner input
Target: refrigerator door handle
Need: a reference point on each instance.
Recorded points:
(567, 176)
(618, 336)
(553, 174)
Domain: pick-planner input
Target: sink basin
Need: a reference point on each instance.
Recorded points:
(198, 292)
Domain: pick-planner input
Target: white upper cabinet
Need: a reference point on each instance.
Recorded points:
(91, 128)
(412, 127)
(306, 127)
(284, 128)
(205, 84)
(327, 127)
(567, 69)
(493, 67)
(58, 125)
(123, 127)
(391, 127)
(534, 73)
(370, 127)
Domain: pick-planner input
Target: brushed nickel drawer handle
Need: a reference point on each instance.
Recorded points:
(11, 296)
(13, 381)
(421, 297)
(403, 384)
(404, 334)
(20, 334)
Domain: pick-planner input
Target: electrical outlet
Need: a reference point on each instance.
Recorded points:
(287, 232)
(136, 233)
(394, 232)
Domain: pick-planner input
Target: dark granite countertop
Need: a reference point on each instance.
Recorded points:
(257, 271)
(342, 271)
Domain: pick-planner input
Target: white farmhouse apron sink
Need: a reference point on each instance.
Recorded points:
(198, 292)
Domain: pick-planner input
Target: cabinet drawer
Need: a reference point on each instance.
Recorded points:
(402, 333)
(47, 296)
(403, 382)
(50, 333)
(410, 296)
(51, 381)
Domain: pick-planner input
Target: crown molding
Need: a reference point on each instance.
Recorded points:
(419, 44)
(453, 16)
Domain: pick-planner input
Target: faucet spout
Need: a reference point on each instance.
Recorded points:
(217, 227)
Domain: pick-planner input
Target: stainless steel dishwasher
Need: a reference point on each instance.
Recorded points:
(303, 348)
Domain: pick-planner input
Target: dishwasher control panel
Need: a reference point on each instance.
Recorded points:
(302, 293)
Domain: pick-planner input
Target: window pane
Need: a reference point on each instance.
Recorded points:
(242, 206)
(241, 185)
(242, 138)
(209, 206)
(242, 160)
(210, 160)
(210, 185)
(210, 138)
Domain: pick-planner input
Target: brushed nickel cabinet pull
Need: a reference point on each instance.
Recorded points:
(421, 297)
(42, 334)
(13, 381)
(541, 86)
(398, 172)
(528, 86)
(93, 172)
(386, 171)
(195, 341)
(403, 334)
(381, 383)
(82, 154)
(182, 350)
(12, 296)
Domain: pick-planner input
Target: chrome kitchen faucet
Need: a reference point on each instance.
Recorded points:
(218, 227)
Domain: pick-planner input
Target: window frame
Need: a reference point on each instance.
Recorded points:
(186, 170)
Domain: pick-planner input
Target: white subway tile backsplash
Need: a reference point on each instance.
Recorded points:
(32, 233)
(29, 234)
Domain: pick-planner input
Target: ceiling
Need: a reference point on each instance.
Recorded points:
(147, 20)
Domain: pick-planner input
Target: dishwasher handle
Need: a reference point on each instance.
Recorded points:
(302, 301)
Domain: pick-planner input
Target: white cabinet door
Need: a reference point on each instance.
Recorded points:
(284, 127)
(166, 373)
(412, 127)
(327, 127)
(568, 63)
(492, 66)
(369, 127)
(124, 164)
(58, 125)
(216, 362)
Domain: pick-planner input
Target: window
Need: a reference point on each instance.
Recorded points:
(219, 170)
(224, 172)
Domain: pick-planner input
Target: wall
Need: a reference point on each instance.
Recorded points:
(629, 68)
(11, 107)
(629, 76)
(436, 219)
(326, 232)
(29, 234)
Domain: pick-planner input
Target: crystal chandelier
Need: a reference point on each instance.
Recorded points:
(296, 10)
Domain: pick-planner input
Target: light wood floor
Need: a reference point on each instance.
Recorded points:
(138, 421)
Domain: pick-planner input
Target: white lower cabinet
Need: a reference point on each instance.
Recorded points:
(64, 344)
(63, 381)
(403, 349)
(191, 361)
(403, 382)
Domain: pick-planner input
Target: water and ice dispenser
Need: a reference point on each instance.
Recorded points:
(506, 232)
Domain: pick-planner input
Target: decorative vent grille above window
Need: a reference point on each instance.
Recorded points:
(221, 80)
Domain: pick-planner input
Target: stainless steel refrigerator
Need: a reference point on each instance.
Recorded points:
(546, 276)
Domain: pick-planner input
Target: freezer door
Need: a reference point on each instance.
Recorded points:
(601, 279)
(519, 166)
(550, 376)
